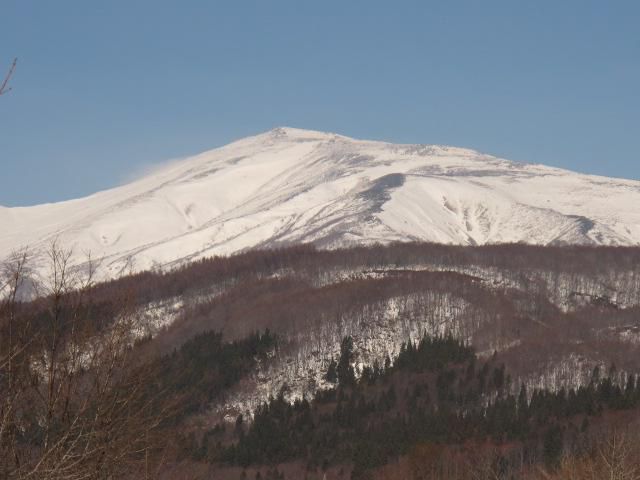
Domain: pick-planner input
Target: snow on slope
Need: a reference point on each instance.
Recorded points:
(291, 185)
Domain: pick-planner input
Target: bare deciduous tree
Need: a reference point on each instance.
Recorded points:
(74, 402)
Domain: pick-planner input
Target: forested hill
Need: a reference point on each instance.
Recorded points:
(436, 394)
(513, 361)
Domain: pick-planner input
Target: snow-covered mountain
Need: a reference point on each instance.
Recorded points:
(290, 185)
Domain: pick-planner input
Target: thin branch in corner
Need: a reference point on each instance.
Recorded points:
(4, 88)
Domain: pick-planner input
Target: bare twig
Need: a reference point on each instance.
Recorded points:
(4, 88)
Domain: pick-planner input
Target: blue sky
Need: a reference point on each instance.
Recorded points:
(105, 89)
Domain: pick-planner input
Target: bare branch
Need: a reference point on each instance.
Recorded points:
(4, 88)
(73, 402)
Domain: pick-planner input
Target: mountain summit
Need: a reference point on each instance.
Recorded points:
(289, 185)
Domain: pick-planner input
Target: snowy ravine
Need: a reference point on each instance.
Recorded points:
(287, 186)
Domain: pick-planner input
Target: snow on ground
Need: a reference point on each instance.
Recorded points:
(290, 185)
(377, 332)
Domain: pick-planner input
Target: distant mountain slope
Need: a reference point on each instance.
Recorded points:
(289, 185)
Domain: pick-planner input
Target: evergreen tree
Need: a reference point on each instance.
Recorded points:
(332, 372)
(552, 446)
(344, 369)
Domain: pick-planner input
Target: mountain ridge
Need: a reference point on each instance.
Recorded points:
(289, 185)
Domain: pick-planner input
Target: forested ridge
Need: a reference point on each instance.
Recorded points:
(436, 392)
(400, 361)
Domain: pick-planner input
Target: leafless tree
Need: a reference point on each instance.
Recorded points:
(73, 398)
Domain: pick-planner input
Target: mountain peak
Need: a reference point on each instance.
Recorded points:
(300, 133)
(291, 185)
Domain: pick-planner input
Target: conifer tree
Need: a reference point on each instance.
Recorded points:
(344, 369)
(332, 372)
